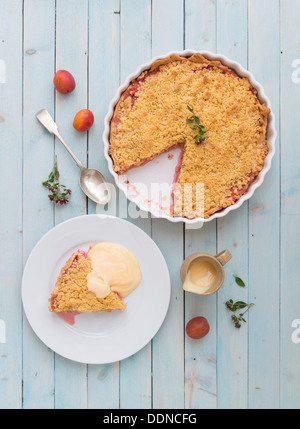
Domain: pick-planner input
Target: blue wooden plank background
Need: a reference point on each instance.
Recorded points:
(101, 42)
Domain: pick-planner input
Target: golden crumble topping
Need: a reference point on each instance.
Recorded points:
(150, 118)
(72, 294)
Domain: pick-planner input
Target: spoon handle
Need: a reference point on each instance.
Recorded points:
(46, 120)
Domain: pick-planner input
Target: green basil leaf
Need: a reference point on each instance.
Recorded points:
(239, 281)
(241, 304)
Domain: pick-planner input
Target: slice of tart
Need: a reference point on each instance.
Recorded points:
(71, 293)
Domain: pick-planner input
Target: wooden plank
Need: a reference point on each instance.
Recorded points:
(104, 74)
(11, 213)
(71, 55)
(263, 319)
(290, 209)
(137, 367)
(168, 344)
(38, 156)
(232, 234)
(200, 356)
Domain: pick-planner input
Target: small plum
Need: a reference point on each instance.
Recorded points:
(197, 328)
(64, 82)
(83, 120)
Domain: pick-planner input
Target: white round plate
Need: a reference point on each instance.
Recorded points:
(161, 169)
(96, 338)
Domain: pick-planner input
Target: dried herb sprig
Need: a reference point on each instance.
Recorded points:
(58, 193)
(200, 129)
(238, 305)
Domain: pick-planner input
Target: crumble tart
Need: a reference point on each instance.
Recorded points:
(150, 118)
(71, 293)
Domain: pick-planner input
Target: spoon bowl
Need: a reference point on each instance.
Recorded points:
(94, 185)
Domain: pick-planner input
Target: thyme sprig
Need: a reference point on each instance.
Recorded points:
(58, 192)
(200, 129)
(238, 305)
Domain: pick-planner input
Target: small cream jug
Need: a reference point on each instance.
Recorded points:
(202, 273)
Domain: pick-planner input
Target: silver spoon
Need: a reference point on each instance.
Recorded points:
(91, 181)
